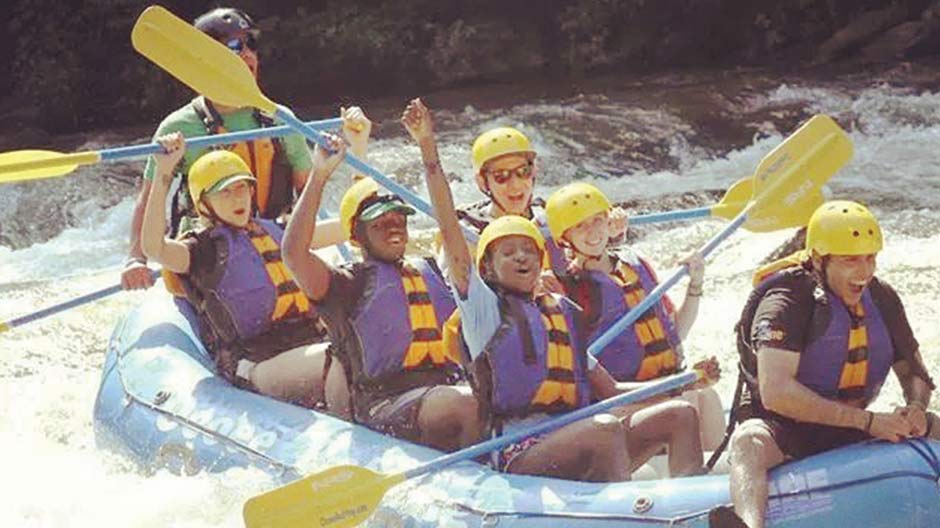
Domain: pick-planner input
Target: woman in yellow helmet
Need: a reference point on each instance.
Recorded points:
(256, 323)
(528, 356)
(607, 283)
(505, 170)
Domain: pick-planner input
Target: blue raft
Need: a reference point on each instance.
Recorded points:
(162, 404)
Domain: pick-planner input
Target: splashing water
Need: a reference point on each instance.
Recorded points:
(49, 370)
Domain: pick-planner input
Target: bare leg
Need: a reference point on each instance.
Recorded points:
(753, 452)
(294, 375)
(672, 424)
(449, 417)
(592, 449)
(337, 392)
(711, 416)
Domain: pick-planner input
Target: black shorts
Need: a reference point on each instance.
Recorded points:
(398, 415)
(802, 439)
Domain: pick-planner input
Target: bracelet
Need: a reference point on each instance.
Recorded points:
(694, 291)
(871, 418)
(135, 260)
(921, 405)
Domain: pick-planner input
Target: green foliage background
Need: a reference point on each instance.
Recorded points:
(73, 61)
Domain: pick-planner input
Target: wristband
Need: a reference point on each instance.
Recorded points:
(694, 291)
(135, 260)
(871, 418)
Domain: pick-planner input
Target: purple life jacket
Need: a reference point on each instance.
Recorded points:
(237, 299)
(624, 355)
(822, 361)
(383, 326)
(514, 366)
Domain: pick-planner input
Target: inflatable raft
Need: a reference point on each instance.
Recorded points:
(161, 403)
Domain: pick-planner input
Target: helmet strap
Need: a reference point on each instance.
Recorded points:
(819, 265)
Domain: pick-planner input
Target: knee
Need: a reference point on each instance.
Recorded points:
(448, 408)
(605, 430)
(605, 444)
(683, 415)
(608, 425)
(750, 444)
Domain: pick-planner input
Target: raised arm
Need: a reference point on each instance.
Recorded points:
(356, 130)
(310, 271)
(417, 120)
(171, 254)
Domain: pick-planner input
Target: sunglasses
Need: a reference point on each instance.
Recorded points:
(502, 176)
(238, 44)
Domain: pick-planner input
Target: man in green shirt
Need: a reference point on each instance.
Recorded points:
(281, 165)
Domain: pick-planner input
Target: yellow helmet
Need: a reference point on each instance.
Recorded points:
(841, 227)
(573, 204)
(354, 205)
(504, 226)
(214, 171)
(498, 142)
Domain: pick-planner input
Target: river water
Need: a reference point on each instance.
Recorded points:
(49, 370)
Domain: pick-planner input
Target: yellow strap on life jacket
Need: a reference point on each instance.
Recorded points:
(290, 300)
(559, 386)
(427, 345)
(790, 261)
(854, 376)
(259, 155)
(659, 359)
(173, 283)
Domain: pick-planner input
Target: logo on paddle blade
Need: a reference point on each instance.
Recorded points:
(791, 199)
(343, 515)
(774, 167)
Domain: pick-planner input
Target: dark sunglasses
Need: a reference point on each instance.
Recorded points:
(238, 44)
(501, 176)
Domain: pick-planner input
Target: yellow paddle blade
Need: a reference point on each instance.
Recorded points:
(22, 165)
(769, 218)
(775, 217)
(801, 164)
(735, 199)
(780, 216)
(336, 498)
(200, 62)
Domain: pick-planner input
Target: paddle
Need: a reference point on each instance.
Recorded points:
(22, 165)
(784, 178)
(211, 69)
(61, 307)
(733, 202)
(347, 495)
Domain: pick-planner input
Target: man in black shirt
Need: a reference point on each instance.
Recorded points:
(817, 339)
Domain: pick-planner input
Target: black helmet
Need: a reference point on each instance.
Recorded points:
(225, 23)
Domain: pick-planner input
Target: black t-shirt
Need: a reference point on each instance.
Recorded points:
(787, 314)
(791, 313)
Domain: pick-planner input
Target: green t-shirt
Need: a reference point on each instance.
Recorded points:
(186, 120)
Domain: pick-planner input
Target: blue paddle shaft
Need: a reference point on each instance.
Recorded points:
(630, 317)
(671, 216)
(61, 307)
(139, 151)
(654, 389)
